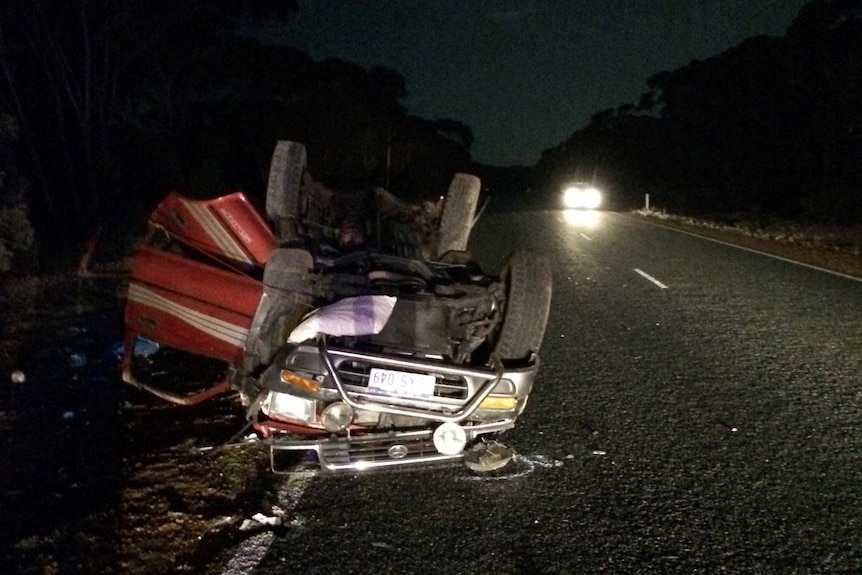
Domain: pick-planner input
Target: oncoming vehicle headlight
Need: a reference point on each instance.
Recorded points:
(582, 197)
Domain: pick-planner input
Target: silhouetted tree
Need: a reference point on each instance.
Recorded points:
(770, 127)
(81, 75)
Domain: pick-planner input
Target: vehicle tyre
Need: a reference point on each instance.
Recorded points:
(283, 202)
(527, 280)
(286, 298)
(456, 221)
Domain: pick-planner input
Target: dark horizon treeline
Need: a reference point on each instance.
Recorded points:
(117, 102)
(770, 128)
(114, 103)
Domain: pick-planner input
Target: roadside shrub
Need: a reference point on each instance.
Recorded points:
(841, 205)
(17, 235)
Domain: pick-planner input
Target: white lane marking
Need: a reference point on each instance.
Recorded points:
(586, 237)
(754, 251)
(250, 553)
(652, 279)
(253, 550)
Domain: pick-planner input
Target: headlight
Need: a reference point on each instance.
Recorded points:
(582, 197)
(285, 406)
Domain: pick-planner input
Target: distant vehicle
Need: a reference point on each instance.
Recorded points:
(370, 342)
(582, 196)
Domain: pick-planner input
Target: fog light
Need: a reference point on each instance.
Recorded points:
(337, 417)
(450, 438)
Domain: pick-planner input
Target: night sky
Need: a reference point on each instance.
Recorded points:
(526, 74)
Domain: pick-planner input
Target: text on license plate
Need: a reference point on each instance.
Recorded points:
(401, 383)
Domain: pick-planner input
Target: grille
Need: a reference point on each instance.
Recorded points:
(376, 450)
(382, 450)
(357, 373)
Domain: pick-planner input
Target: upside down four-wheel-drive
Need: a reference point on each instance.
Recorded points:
(353, 325)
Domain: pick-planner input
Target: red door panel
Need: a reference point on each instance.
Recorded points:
(189, 305)
(227, 227)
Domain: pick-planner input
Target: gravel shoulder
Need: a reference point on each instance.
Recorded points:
(838, 249)
(100, 477)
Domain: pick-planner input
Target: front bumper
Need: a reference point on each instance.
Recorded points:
(458, 400)
(373, 450)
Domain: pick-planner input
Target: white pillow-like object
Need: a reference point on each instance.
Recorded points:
(361, 315)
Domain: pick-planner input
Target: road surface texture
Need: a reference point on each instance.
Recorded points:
(698, 410)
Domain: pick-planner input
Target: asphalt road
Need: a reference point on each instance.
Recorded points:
(698, 410)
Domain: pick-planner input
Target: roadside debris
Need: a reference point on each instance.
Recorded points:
(261, 521)
(488, 456)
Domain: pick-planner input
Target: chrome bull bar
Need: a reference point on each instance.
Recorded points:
(492, 379)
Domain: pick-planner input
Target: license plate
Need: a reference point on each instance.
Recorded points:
(401, 383)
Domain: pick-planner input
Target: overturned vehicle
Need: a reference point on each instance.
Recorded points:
(354, 326)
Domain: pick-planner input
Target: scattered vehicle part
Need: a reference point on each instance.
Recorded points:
(485, 457)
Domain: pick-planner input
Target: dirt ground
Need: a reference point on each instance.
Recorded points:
(99, 477)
